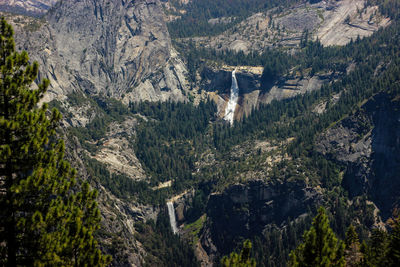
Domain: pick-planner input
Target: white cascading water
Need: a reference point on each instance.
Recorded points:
(230, 108)
(171, 213)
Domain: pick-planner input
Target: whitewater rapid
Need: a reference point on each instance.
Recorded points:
(172, 220)
(231, 106)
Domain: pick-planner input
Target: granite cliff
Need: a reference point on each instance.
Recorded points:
(115, 48)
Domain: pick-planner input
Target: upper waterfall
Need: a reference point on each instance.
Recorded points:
(231, 106)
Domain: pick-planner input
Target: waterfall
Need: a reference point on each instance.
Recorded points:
(230, 108)
(171, 213)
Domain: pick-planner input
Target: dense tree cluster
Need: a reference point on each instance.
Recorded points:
(167, 145)
(194, 22)
(240, 260)
(321, 247)
(164, 248)
(46, 218)
(304, 124)
(122, 186)
(387, 7)
(276, 63)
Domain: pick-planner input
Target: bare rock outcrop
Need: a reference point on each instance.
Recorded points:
(348, 20)
(119, 215)
(333, 22)
(116, 152)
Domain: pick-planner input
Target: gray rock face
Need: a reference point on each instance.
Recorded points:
(117, 48)
(368, 143)
(350, 142)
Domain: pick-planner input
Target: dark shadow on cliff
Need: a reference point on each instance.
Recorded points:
(385, 180)
(379, 174)
(244, 210)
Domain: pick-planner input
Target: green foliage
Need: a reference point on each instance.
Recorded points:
(194, 22)
(167, 143)
(389, 8)
(394, 244)
(375, 250)
(107, 110)
(124, 187)
(351, 237)
(295, 117)
(275, 62)
(381, 249)
(46, 217)
(273, 248)
(172, 139)
(352, 250)
(320, 247)
(193, 230)
(163, 247)
(242, 260)
(199, 203)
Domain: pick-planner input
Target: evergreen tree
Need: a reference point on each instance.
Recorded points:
(375, 251)
(352, 251)
(242, 260)
(394, 244)
(46, 217)
(351, 237)
(320, 247)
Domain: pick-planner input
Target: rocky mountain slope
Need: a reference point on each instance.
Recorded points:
(30, 7)
(120, 49)
(332, 22)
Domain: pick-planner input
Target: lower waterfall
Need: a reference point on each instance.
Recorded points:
(172, 220)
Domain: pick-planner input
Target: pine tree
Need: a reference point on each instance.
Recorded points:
(352, 251)
(46, 217)
(242, 260)
(375, 251)
(393, 255)
(320, 247)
